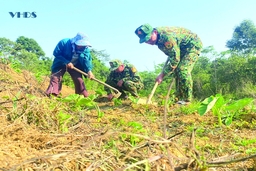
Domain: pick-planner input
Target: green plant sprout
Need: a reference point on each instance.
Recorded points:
(63, 119)
(16, 66)
(133, 99)
(39, 76)
(99, 92)
(79, 102)
(117, 102)
(245, 142)
(251, 151)
(136, 127)
(225, 110)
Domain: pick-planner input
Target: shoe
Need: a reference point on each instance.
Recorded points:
(182, 102)
(135, 95)
(123, 96)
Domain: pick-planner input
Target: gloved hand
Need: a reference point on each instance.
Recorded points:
(110, 97)
(160, 78)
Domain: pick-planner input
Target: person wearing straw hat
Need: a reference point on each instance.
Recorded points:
(70, 53)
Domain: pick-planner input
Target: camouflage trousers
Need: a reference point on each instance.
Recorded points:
(129, 86)
(182, 74)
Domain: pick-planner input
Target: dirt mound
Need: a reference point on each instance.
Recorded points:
(38, 133)
(24, 81)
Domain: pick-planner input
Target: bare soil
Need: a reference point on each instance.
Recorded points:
(187, 141)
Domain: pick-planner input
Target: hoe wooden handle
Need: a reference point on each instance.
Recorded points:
(152, 93)
(117, 92)
(156, 84)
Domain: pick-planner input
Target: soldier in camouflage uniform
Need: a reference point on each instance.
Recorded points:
(124, 77)
(182, 48)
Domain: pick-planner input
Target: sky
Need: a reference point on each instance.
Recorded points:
(110, 24)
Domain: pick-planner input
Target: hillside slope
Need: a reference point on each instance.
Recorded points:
(38, 133)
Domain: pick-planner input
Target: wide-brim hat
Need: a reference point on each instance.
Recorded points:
(82, 40)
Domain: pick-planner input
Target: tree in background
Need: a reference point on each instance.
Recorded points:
(201, 74)
(22, 57)
(101, 55)
(7, 47)
(149, 80)
(244, 38)
(29, 45)
(226, 73)
(100, 70)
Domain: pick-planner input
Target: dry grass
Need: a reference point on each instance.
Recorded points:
(31, 137)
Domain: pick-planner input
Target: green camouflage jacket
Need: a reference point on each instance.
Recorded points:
(129, 74)
(176, 40)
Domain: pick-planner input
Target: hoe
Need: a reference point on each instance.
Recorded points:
(116, 94)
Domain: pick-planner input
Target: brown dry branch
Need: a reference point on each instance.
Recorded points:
(166, 107)
(192, 149)
(165, 123)
(230, 159)
(44, 158)
(11, 101)
(67, 151)
(163, 141)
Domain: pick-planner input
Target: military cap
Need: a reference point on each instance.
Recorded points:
(114, 64)
(144, 32)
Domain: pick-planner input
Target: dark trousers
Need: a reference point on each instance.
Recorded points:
(55, 85)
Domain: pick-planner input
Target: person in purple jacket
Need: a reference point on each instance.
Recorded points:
(70, 53)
